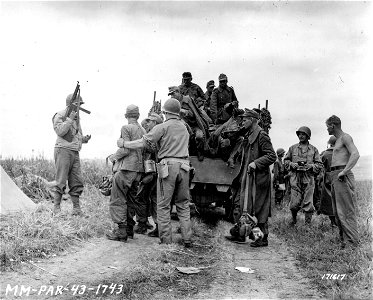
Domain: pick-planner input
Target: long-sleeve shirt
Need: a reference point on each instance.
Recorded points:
(311, 157)
(219, 98)
(62, 126)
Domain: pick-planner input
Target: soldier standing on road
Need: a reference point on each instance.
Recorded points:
(172, 139)
(149, 181)
(279, 176)
(223, 101)
(66, 157)
(345, 157)
(194, 91)
(254, 180)
(325, 206)
(303, 162)
(128, 167)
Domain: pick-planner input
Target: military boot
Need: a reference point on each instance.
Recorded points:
(77, 211)
(141, 228)
(57, 203)
(294, 218)
(154, 233)
(119, 234)
(130, 233)
(308, 218)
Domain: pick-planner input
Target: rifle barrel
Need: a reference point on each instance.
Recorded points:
(81, 108)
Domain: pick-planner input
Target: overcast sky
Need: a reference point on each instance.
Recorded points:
(309, 59)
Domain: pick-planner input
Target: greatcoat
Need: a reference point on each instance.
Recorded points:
(257, 147)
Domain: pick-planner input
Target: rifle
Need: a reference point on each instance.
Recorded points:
(157, 106)
(74, 106)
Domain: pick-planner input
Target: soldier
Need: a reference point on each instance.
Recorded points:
(325, 206)
(253, 183)
(171, 138)
(279, 176)
(345, 157)
(194, 91)
(192, 116)
(66, 156)
(128, 167)
(303, 162)
(210, 87)
(223, 101)
(149, 181)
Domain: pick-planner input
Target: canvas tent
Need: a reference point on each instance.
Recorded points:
(12, 199)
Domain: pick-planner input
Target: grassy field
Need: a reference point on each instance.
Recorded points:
(318, 251)
(37, 235)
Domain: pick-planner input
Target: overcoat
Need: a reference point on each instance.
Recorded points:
(257, 147)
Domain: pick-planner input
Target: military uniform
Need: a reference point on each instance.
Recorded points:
(172, 139)
(66, 158)
(129, 169)
(302, 182)
(219, 98)
(194, 91)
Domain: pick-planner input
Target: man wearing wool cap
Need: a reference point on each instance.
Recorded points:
(251, 188)
(223, 101)
(128, 168)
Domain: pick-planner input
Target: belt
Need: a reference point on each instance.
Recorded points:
(184, 157)
(337, 168)
(175, 159)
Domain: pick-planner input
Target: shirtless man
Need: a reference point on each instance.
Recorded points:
(345, 157)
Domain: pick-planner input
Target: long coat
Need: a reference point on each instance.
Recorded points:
(257, 147)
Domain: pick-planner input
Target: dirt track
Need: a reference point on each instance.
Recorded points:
(275, 274)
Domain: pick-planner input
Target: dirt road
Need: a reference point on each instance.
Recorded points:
(83, 267)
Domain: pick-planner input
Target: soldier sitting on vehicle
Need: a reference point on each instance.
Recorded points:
(223, 101)
(194, 91)
(192, 116)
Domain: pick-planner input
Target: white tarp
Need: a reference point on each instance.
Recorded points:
(12, 198)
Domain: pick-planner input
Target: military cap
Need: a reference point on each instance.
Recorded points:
(187, 75)
(132, 110)
(210, 83)
(250, 113)
(223, 77)
(154, 117)
(173, 89)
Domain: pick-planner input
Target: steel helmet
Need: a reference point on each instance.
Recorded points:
(69, 98)
(172, 106)
(332, 140)
(305, 130)
(280, 151)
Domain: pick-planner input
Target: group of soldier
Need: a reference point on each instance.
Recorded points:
(151, 167)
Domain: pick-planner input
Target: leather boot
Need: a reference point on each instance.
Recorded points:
(119, 234)
(130, 233)
(141, 228)
(308, 218)
(294, 218)
(77, 211)
(57, 203)
(154, 233)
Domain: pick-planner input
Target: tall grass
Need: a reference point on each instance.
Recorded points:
(318, 250)
(28, 236)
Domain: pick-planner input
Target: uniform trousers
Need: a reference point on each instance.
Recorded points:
(176, 183)
(68, 169)
(344, 205)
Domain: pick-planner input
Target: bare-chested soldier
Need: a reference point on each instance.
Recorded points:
(345, 157)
